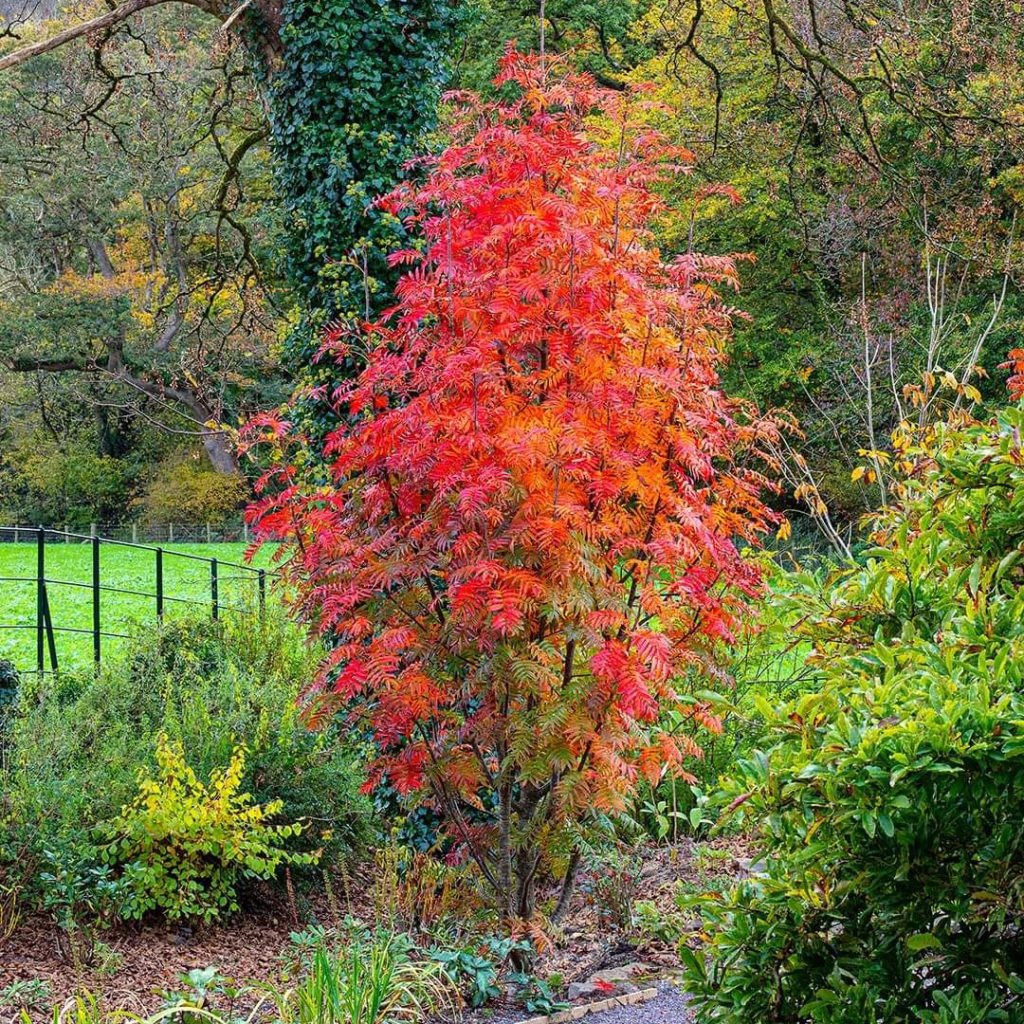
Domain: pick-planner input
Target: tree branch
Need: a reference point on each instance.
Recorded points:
(114, 17)
(24, 364)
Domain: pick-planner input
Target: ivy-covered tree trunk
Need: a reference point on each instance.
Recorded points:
(351, 98)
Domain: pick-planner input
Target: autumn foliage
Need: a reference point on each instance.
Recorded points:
(1015, 364)
(529, 547)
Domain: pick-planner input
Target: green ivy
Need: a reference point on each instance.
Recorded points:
(355, 95)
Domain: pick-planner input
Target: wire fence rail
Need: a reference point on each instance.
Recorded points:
(158, 598)
(231, 532)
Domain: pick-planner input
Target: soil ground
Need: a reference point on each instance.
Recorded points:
(137, 964)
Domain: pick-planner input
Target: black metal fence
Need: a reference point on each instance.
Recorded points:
(158, 599)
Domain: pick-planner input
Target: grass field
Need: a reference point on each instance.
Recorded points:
(186, 591)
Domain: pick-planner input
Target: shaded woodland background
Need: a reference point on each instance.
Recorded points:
(185, 205)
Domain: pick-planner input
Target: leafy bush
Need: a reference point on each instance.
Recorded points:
(537, 996)
(889, 804)
(77, 745)
(68, 483)
(610, 885)
(476, 969)
(9, 683)
(186, 490)
(183, 845)
(476, 975)
(78, 894)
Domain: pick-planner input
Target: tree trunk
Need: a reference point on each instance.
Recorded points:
(220, 452)
(568, 887)
(216, 443)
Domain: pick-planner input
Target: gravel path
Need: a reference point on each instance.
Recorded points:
(669, 1007)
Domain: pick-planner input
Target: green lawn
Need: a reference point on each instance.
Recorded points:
(186, 592)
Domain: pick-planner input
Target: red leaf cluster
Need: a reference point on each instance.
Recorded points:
(1015, 364)
(531, 536)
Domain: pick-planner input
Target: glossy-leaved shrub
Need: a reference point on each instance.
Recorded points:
(183, 845)
(888, 803)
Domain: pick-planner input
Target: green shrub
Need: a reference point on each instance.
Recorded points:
(78, 895)
(9, 683)
(183, 844)
(67, 483)
(476, 970)
(889, 804)
(77, 745)
(186, 490)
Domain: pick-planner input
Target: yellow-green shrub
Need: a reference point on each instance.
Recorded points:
(184, 845)
(187, 490)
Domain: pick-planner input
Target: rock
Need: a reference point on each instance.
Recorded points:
(611, 980)
(615, 975)
(582, 990)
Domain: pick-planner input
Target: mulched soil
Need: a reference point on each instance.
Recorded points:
(150, 959)
(586, 945)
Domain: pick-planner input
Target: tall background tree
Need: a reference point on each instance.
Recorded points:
(135, 234)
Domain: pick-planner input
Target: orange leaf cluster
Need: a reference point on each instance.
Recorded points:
(531, 537)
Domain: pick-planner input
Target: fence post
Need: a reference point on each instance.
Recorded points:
(170, 533)
(48, 622)
(40, 594)
(213, 588)
(245, 531)
(263, 593)
(160, 583)
(135, 533)
(16, 538)
(96, 600)
(209, 537)
(92, 530)
(67, 539)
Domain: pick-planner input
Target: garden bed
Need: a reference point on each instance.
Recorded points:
(135, 966)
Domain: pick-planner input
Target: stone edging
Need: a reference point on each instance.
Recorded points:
(578, 1012)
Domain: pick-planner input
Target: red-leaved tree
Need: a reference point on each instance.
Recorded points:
(529, 546)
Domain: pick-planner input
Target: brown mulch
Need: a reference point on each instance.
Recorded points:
(151, 958)
(586, 945)
(251, 946)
